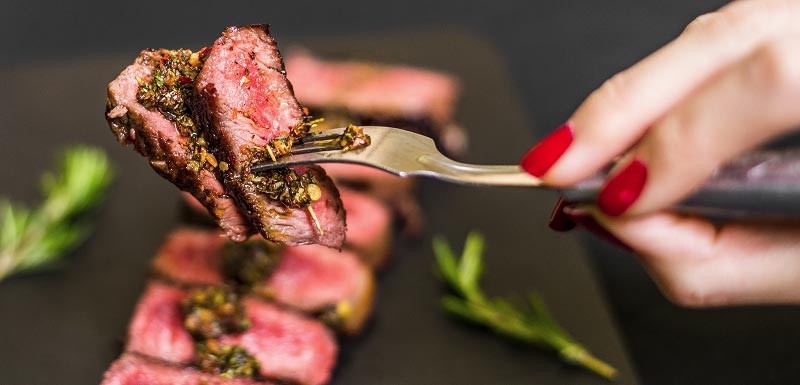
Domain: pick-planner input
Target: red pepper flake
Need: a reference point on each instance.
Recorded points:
(305, 111)
(203, 51)
(184, 79)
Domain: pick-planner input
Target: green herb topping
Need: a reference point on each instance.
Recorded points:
(213, 311)
(32, 238)
(353, 138)
(286, 186)
(227, 361)
(246, 264)
(533, 325)
(170, 93)
(170, 89)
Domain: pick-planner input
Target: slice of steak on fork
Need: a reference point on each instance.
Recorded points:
(245, 103)
(167, 149)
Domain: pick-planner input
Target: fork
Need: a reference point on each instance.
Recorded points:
(760, 184)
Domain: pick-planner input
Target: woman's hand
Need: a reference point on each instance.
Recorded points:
(728, 83)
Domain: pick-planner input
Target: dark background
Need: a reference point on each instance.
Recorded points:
(556, 53)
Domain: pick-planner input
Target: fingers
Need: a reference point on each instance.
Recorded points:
(617, 114)
(744, 106)
(698, 265)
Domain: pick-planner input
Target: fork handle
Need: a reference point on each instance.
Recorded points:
(761, 184)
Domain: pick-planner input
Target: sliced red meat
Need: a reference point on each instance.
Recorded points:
(308, 278)
(313, 278)
(158, 140)
(398, 193)
(157, 330)
(244, 101)
(371, 89)
(132, 369)
(191, 256)
(369, 227)
(287, 345)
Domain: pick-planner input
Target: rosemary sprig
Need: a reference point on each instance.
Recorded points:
(532, 325)
(30, 238)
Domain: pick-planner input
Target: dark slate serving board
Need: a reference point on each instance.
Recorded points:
(65, 325)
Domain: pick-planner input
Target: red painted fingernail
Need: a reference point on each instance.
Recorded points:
(559, 220)
(623, 189)
(544, 155)
(587, 222)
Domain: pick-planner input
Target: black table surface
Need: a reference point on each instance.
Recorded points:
(556, 52)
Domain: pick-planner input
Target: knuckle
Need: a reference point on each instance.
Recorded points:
(690, 293)
(615, 92)
(702, 23)
(743, 17)
(777, 65)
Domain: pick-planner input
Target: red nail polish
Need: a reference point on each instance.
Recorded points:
(623, 189)
(544, 155)
(587, 222)
(559, 220)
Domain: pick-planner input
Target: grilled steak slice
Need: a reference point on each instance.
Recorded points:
(287, 346)
(369, 227)
(157, 330)
(364, 93)
(157, 138)
(311, 278)
(133, 369)
(244, 102)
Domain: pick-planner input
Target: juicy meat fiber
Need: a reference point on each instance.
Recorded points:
(244, 101)
(132, 369)
(157, 139)
(288, 346)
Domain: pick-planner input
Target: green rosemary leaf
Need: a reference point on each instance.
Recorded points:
(471, 265)
(533, 325)
(30, 238)
(446, 260)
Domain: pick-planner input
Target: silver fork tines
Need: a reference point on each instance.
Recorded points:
(399, 152)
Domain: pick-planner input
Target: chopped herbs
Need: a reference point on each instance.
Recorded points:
(170, 93)
(532, 325)
(170, 90)
(353, 138)
(209, 313)
(227, 361)
(334, 316)
(32, 238)
(247, 264)
(213, 311)
(286, 186)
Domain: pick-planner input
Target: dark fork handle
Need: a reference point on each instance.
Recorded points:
(761, 184)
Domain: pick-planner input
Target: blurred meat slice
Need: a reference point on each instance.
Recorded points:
(366, 93)
(287, 345)
(132, 369)
(398, 193)
(369, 227)
(311, 278)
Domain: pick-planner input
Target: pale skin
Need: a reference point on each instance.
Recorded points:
(727, 84)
